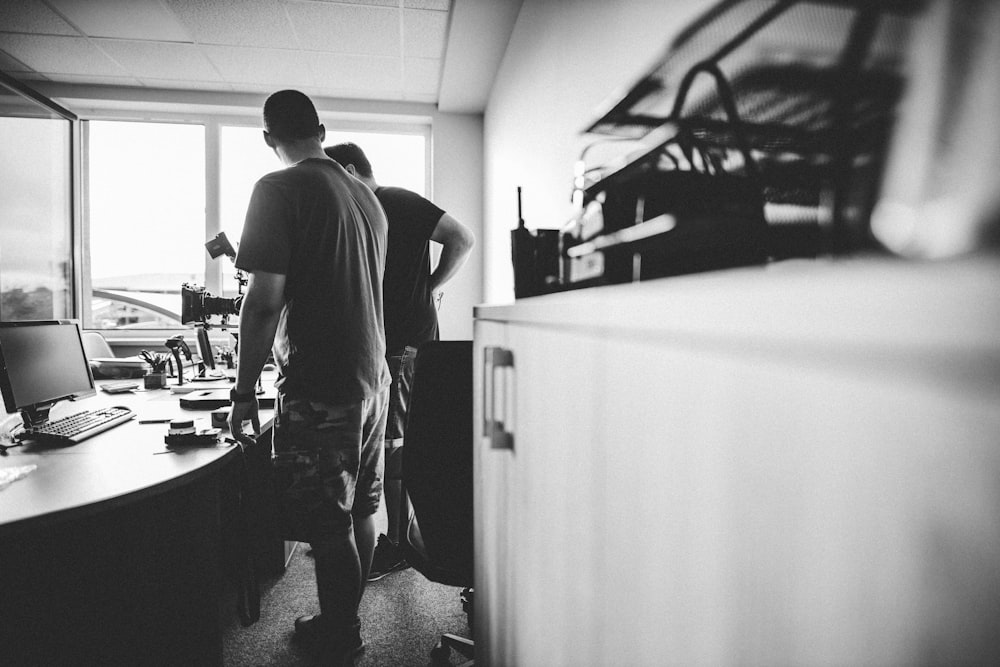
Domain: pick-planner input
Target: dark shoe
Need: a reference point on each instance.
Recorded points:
(307, 628)
(339, 647)
(387, 559)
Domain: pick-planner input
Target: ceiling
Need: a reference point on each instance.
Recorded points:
(441, 52)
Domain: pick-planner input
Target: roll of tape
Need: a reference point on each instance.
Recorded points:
(181, 427)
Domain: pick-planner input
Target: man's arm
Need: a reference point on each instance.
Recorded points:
(259, 314)
(457, 241)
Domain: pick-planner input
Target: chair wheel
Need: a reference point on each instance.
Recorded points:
(441, 653)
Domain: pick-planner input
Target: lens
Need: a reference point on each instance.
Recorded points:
(218, 305)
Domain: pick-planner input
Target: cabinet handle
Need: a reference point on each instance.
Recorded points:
(493, 427)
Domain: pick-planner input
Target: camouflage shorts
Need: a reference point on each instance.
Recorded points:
(328, 464)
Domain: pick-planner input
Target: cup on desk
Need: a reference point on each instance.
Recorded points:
(220, 418)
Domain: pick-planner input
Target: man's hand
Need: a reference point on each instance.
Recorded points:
(242, 411)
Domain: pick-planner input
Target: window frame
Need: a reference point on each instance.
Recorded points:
(74, 182)
(213, 124)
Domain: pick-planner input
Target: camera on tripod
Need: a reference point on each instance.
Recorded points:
(198, 305)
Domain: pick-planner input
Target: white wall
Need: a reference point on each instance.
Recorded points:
(457, 165)
(564, 59)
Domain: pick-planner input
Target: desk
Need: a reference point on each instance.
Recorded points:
(112, 552)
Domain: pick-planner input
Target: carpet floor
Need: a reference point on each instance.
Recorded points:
(402, 617)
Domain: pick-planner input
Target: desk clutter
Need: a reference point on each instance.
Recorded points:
(762, 133)
(182, 433)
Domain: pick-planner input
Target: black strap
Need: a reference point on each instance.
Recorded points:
(248, 588)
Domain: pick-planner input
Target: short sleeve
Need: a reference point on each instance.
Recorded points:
(265, 243)
(425, 214)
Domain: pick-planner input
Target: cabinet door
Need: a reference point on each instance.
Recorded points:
(536, 499)
(491, 491)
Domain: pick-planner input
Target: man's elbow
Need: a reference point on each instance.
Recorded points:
(465, 241)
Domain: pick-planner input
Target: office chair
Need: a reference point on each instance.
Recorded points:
(95, 346)
(437, 475)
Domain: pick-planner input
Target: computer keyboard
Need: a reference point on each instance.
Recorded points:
(80, 426)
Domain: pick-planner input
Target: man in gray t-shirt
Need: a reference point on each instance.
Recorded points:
(314, 246)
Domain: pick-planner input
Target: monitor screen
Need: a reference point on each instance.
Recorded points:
(42, 363)
(205, 348)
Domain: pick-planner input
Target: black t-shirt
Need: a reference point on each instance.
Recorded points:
(409, 313)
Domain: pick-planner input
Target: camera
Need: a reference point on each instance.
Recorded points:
(197, 305)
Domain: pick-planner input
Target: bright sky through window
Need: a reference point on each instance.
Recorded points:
(146, 204)
(397, 159)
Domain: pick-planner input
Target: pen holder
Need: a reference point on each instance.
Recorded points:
(155, 381)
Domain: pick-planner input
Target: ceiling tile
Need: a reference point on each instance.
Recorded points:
(371, 3)
(32, 16)
(11, 64)
(161, 60)
(425, 98)
(439, 5)
(68, 55)
(123, 19)
(421, 75)
(175, 84)
(269, 67)
(424, 33)
(346, 28)
(260, 23)
(348, 72)
(90, 79)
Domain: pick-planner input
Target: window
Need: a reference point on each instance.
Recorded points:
(397, 159)
(149, 211)
(35, 213)
(146, 214)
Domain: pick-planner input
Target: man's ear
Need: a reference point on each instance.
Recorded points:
(267, 139)
(351, 170)
(322, 133)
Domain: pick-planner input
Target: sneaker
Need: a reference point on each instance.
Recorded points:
(387, 559)
(307, 628)
(331, 646)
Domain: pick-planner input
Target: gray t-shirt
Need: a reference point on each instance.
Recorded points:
(326, 232)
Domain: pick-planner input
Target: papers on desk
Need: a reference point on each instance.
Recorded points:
(10, 475)
(159, 410)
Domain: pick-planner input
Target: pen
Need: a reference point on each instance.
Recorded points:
(154, 421)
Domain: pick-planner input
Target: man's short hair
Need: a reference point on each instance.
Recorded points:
(290, 115)
(350, 153)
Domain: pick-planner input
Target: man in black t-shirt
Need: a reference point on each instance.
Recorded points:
(410, 290)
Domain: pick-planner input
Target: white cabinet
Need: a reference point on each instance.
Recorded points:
(790, 465)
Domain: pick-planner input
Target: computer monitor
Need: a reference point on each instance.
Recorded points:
(205, 349)
(42, 363)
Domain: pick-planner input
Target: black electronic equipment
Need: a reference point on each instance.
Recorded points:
(666, 223)
(197, 305)
(213, 399)
(205, 351)
(219, 245)
(178, 346)
(535, 255)
(759, 135)
(43, 362)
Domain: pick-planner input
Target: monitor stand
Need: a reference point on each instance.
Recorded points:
(36, 415)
